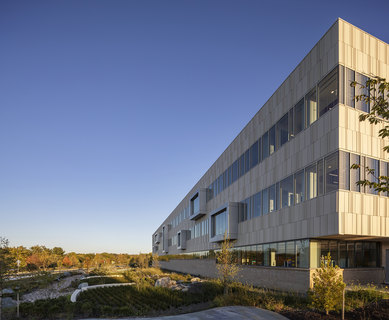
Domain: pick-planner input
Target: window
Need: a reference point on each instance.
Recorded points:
(247, 161)
(290, 255)
(254, 155)
(361, 81)
(311, 182)
(257, 205)
(311, 107)
(375, 165)
(290, 124)
(241, 165)
(235, 170)
(265, 145)
(350, 91)
(282, 133)
(344, 170)
(272, 139)
(299, 116)
(302, 253)
(384, 171)
(219, 223)
(320, 177)
(272, 198)
(244, 213)
(354, 173)
(328, 92)
(195, 204)
(265, 201)
(299, 187)
(332, 172)
(280, 255)
(286, 192)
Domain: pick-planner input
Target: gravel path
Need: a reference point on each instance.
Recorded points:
(55, 290)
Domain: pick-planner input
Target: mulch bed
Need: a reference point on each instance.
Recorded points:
(374, 311)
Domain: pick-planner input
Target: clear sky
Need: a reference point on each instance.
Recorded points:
(110, 111)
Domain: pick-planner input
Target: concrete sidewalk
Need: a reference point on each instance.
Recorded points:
(230, 313)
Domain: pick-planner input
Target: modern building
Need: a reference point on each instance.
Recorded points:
(284, 190)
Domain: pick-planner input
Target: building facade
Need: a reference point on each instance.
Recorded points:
(284, 190)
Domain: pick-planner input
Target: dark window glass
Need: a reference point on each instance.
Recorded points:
(342, 254)
(311, 182)
(241, 165)
(260, 260)
(230, 175)
(266, 255)
(195, 205)
(247, 161)
(224, 179)
(219, 223)
(332, 172)
(260, 150)
(299, 187)
(370, 254)
(333, 245)
(282, 133)
(290, 254)
(286, 192)
(350, 91)
(374, 165)
(328, 92)
(272, 198)
(290, 124)
(220, 182)
(384, 171)
(235, 171)
(361, 81)
(354, 173)
(320, 177)
(344, 170)
(299, 117)
(265, 145)
(311, 107)
(272, 139)
(265, 201)
(341, 84)
(254, 155)
(302, 253)
(359, 255)
(350, 255)
(257, 205)
(281, 255)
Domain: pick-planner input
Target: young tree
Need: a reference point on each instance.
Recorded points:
(6, 262)
(226, 266)
(328, 286)
(377, 95)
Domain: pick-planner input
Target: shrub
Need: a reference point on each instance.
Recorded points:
(328, 286)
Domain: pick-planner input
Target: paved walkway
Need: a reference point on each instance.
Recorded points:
(227, 313)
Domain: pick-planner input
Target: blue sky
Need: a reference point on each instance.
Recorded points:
(110, 111)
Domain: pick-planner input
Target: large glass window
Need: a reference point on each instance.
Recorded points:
(344, 170)
(280, 255)
(350, 91)
(219, 223)
(195, 204)
(265, 145)
(302, 253)
(290, 254)
(311, 182)
(320, 177)
(372, 164)
(272, 198)
(361, 81)
(384, 171)
(265, 201)
(328, 92)
(235, 171)
(245, 212)
(286, 192)
(282, 133)
(354, 173)
(299, 187)
(247, 161)
(290, 124)
(266, 255)
(257, 205)
(311, 107)
(272, 139)
(332, 172)
(260, 256)
(254, 155)
(299, 117)
(241, 165)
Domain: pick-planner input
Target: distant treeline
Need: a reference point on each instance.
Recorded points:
(43, 258)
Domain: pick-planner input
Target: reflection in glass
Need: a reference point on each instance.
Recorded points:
(311, 107)
(328, 92)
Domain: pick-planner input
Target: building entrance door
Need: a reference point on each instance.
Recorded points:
(387, 267)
